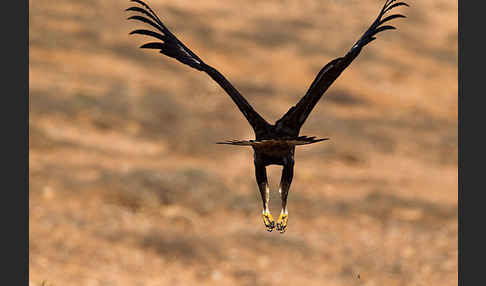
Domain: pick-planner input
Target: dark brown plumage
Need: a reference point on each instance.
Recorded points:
(273, 143)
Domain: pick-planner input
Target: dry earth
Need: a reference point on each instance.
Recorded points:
(128, 188)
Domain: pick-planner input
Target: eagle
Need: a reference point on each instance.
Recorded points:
(274, 144)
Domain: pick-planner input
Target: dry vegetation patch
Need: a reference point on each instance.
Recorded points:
(128, 188)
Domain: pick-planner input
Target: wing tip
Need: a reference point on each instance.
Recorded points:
(376, 27)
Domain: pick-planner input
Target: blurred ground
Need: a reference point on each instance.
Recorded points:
(128, 188)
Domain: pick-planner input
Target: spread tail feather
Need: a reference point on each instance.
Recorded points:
(301, 140)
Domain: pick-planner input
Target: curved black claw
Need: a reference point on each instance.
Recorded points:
(268, 221)
(282, 222)
(270, 226)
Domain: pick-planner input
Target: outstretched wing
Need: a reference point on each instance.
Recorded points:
(296, 116)
(169, 45)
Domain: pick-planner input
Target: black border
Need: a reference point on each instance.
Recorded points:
(15, 147)
(470, 114)
(15, 142)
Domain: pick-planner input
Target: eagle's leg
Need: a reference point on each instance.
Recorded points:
(261, 178)
(285, 181)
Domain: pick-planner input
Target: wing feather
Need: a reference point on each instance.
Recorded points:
(296, 116)
(171, 46)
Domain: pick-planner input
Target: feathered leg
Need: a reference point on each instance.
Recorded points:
(285, 181)
(261, 178)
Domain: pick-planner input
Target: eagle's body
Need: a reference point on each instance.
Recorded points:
(274, 144)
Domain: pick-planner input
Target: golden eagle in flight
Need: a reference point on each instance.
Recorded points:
(273, 143)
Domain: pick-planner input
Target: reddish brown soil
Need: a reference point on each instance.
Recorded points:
(128, 188)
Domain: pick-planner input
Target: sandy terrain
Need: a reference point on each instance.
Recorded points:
(128, 188)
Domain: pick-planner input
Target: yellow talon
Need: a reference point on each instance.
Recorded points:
(282, 222)
(268, 221)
